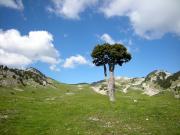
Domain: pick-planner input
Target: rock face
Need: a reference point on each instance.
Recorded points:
(152, 84)
(14, 77)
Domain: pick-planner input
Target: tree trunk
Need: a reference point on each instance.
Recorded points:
(111, 84)
(105, 71)
(105, 74)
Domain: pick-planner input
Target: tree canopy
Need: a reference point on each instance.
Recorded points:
(110, 54)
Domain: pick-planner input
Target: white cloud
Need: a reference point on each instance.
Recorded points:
(15, 4)
(70, 8)
(13, 59)
(107, 38)
(54, 68)
(150, 19)
(18, 50)
(74, 61)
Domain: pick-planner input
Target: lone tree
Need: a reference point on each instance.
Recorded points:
(110, 55)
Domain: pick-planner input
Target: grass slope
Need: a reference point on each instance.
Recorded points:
(69, 110)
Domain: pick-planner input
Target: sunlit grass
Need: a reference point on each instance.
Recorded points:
(69, 110)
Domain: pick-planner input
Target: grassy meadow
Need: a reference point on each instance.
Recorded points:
(72, 110)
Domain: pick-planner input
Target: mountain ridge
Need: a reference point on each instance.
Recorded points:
(152, 84)
(15, 77)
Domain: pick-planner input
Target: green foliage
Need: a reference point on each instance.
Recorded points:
(110, 54)
(26, 77)
(5, 68)
(103, 87)
(33, 92)
(177, 90)
(12, 93)
(167, 83)
(14, 76)
(21, 81)
(161, 80)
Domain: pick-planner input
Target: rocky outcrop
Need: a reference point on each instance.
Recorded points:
(14, 77)
(152, 84)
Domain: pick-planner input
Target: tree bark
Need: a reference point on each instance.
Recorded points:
(105, 74)
(111, 84)
(105, 71)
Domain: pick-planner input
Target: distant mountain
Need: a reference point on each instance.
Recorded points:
(152, 84)
(15, 77)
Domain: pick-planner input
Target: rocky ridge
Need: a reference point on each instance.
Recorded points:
(152, 84)
(10, 77)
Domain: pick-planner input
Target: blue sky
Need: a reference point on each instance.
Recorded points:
(64, 32)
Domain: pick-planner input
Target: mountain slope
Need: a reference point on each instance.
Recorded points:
(152, 84)
(14, 77)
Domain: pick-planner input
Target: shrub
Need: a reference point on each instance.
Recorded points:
(33, 92)
(14, 76)
(177, 90)
(12, 93)
(167, 82)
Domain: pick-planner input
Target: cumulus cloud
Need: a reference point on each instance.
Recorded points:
(15, 4)
(149, 19)
(74, 61)
(70, 9)
(107, 38)
(18, 50)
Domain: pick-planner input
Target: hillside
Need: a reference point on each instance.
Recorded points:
(29, 107)
(11, 77)
(155, 82)
(152, 84)
(77, 110)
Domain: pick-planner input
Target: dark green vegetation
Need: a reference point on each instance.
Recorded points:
(170, 79)
(163, 80)
(112, 55)
(72, 110)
